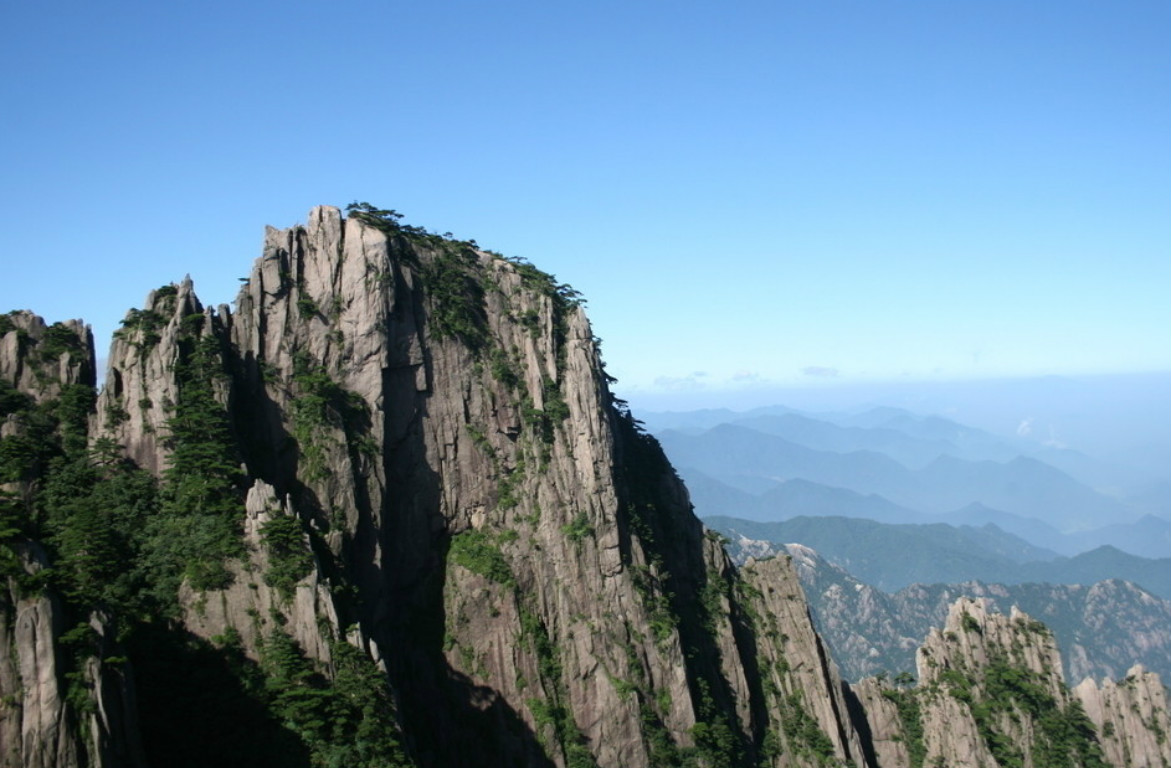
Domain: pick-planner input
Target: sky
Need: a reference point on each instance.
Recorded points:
(752, 196)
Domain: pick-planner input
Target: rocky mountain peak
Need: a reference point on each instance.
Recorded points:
(975, 638)
(387, 512)
(39, 359)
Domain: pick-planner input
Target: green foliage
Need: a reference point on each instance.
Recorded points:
(72, 410)
(143, 324)
(503, 368)
(58, 340)
(11, 399)
(578, 529)
(555, 406)
(12, 522)
(96, 514)
(970, 624)
(346, 721)
(531, 319)
(79, 644)
(911, 716)
(715, 741)
(26, 454)
(290, 559)
(506, 486)
(664, 753)
(663, 620)
(456, 295)
(306, 307)
(6, 324)
(562, 296)
(542, 421)
(322, 403)
(805, 734)
(711, 600)
(480, 553)
(553, 712)
(1063, 737)
(200, 520)
(385, 220)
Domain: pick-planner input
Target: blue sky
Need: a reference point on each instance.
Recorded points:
(753, 195)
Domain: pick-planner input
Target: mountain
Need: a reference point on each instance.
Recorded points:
(792, 498)
(1102, 629)
(1149, 536)
(823, 435)
(893, 466)
(1028, 528)
(891, 557)
(964, 441)
(384, 512)
(803, 497)
(727, 452)
(990, 692)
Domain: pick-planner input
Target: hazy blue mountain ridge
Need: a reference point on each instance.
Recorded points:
(891, 557)
(893, 466)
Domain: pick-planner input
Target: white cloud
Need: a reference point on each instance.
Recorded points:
(677, 383)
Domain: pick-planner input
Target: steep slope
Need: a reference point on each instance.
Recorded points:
(1130, 717)
(1102, 629)
(990, 693)
(384, 513)
(58, 705)
(394, 495)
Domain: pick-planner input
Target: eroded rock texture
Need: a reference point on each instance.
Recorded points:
(387, 512)
(990, 692)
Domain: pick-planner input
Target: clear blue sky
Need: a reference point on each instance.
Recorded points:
(749, 194)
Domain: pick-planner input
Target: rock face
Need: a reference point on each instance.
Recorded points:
(1102, 629)
(39, 360)
(990, 693)
(387, 512)
(1131, 718)
(46, 393)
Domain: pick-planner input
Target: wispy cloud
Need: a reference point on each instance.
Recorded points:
(678, 383)
(820, 371)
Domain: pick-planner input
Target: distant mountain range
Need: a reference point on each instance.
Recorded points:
(890, 516)
(893, 466)
(891, 557)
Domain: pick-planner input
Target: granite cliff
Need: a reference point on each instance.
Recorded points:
(1102, 629)
(990, 692)
(383, 512)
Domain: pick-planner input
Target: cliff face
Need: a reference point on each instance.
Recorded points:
(1102, 629)
(990, 692)
(386, 512)
(46, 395)
(1130, 717)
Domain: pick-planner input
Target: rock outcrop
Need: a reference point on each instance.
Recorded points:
(990, 692)
(46, 395)
(1102, 629)
(387, 512)
(1131, 718)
